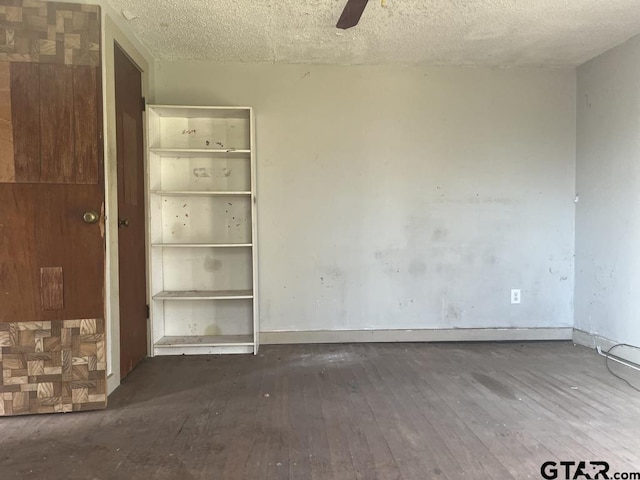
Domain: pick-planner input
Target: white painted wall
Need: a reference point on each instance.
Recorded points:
(405, 198)
(608, 180)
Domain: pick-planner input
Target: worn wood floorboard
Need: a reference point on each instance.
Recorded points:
(411, 447)
(492, 411)
(371, 456)
(419, 409)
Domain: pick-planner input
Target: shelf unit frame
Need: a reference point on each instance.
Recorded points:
(168, 344)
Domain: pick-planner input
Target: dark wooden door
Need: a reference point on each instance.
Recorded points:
(52, 250)
(131, 213)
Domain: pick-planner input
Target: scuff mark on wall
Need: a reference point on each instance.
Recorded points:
(439, 234)
(417, 267)
(453, 314)
(212, 264)
(201, 173)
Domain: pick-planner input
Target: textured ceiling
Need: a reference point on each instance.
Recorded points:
(422, 32)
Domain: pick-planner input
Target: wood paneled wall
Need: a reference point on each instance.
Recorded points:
(43, 228)
(52, 339)
(54, 125)
(50, 88)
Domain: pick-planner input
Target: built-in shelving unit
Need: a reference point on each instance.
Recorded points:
(203, 288)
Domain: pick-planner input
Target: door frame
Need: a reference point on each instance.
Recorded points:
(134, 347)
(114, 35)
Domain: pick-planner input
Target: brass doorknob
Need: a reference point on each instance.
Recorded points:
(123, 222)
(91, 217)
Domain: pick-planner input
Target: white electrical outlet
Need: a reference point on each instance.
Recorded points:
(515, 295)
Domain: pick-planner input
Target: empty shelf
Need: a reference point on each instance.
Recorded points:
(202, 193)
(204, 295)
(200, 152)
(205, 341)
(202, 245)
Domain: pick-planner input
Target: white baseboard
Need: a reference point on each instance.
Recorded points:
(421, 335)
(594, 341)
(113, 382)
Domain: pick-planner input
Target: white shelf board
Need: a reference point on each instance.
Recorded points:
(201, 193)
(204, 295)
(200, 111)
(204, 350)
(200, 152)
(202, 245)
(205, 341)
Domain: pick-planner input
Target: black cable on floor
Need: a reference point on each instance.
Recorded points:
(606, 362)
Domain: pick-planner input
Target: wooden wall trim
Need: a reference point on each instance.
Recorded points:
(595, 341)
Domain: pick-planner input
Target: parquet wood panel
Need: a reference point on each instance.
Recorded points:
(52, 366)
(49, 32)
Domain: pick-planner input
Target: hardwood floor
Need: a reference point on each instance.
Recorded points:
(363, 411)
